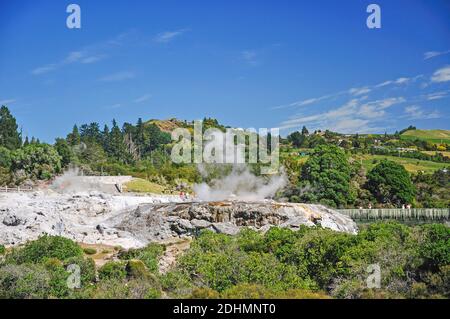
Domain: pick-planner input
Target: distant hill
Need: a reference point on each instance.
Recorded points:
(168, 125)
(173, 123)
(433, 136)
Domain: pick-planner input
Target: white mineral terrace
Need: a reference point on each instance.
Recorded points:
(133, 221)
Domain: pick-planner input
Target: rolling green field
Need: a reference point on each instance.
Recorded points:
(433, 136)
(412, 165)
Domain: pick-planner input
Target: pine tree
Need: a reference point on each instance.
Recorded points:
(105, 137)
(117, 148)
(74, 137)
(9, 136)
(305, 131)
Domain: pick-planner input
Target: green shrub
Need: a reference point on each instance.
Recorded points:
(112, 270)
(2, 250)
(58, 278)
(136, 268)
(24, 281)
(204, 293)
(89, 251)
(435, 246)
(149, 255)
(46, 247)
(87, 269)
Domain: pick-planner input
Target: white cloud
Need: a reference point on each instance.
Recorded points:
(74, 56)
(441, 75)
(168, 36)
(87, 55)
(71, 58)
(359, 91)
(43, 69)
(350, 117)
(119, 76)
(436, 95)
(309, 101)
(433, 54)
(415, 112)
(353, 91)
(402, 80)
(143, 98)
(7, 102)
(92, 59)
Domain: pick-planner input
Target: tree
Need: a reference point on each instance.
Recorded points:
(305, 131)
(74, 137)
(390, 183)
(9, 136)
(65, 151)
(296, 139)
(327, 171)
(37, 160)
(116, 146)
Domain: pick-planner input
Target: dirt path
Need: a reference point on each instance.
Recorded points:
(174, 248)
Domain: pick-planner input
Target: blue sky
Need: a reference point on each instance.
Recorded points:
(247, 63)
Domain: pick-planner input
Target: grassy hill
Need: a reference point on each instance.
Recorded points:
(433, 136)
(167, 125)
(411, 165)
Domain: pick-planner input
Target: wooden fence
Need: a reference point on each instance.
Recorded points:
(6, 189)
(401, 214)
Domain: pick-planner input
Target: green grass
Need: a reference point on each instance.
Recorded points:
(411, 165)
(445, 153)
(433, 136)
(140, 185)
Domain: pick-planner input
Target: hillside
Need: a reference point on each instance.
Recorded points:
(433, 136)
(167, 125)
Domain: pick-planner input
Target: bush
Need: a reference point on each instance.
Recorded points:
(24, 281)
(2, 250)
(149, 255)
(39, 161)
(58, 278)
(46, 247)
(204, 293)
(87, 269)
(112, 270)
(435, 246)
(89, 251)
(136, 269)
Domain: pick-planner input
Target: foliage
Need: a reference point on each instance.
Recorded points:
(9, 136)
(327, 174)
(282, 263)
(24, 281)
(112, 270)
(148, 255)
(389, 182)
(65, 151)
(46, 247)
(89, 251)
(39, 161)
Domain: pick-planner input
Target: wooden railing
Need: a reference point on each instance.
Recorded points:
(402, 214)
(7, 189)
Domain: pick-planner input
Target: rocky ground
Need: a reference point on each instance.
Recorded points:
(133, 221)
